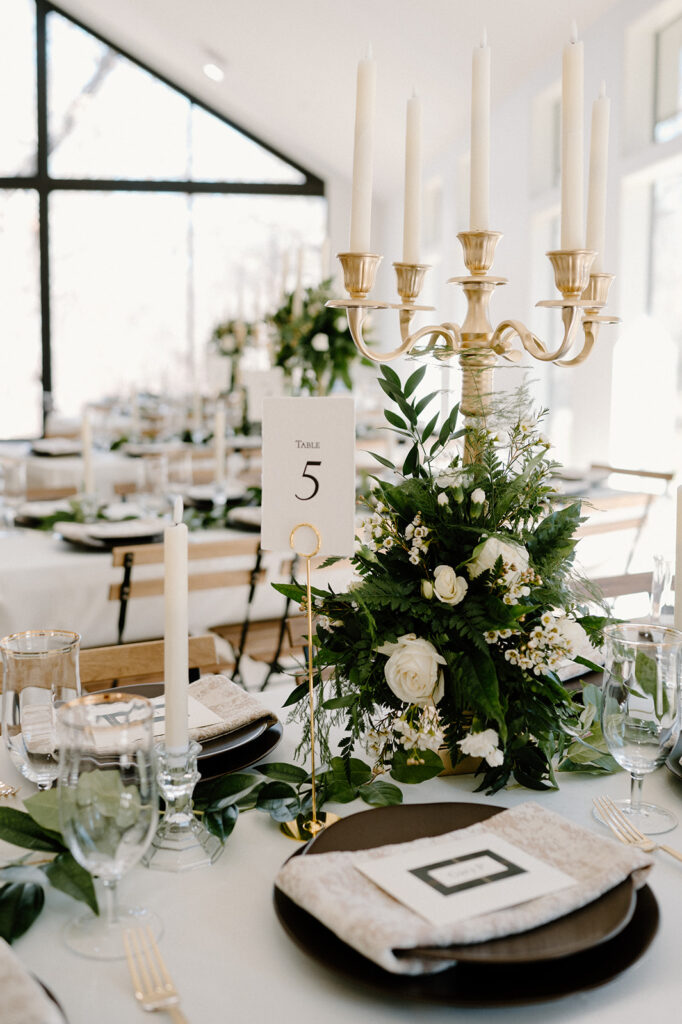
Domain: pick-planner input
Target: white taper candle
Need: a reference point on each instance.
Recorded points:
(363, 156)
(176, 630)
(86, 452)
(413, 181)
(479, 190)
(219, 443)
(596, 194)
(572, 145)
(678, 563)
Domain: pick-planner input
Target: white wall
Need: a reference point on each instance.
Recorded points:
(519, 209)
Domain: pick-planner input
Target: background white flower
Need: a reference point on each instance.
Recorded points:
(320, 342)
(413, 670)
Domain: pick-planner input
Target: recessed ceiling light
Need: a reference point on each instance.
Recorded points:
(212, 71)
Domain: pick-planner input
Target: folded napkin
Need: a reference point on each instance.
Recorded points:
(22, 1000)
(328, 886)
(235, 707)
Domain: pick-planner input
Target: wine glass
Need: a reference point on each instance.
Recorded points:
(40, 674)
(108, 807)
(641, 710)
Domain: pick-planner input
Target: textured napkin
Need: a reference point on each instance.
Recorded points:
(330, 888)
(235, 707)
(22, 1000)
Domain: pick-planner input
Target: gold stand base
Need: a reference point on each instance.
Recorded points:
(303, 831)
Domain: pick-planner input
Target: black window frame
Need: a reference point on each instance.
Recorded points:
(42, 183)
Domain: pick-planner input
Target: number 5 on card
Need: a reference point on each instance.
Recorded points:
(309, 472)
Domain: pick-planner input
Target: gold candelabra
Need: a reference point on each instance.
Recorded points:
(477, 344)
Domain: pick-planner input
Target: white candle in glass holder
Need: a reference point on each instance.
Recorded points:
(572, 144)
(363, 156)
(596, 194)
(86, 453)
(219, 442)
(176, 631)
(479, 190)
(413, 181)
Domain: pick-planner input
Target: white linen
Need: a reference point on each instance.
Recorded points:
(22, 1000)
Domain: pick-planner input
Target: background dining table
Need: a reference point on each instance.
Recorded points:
(231, 959)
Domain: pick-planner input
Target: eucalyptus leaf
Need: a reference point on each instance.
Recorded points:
(352, 772)
(66, 874)
(428, 767)
(221, 822)
(44, 809)
(20, 905)
(381, 794)
(292, 773)
(226, 788)
(19, 828)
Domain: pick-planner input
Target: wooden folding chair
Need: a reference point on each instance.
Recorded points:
(103, 667)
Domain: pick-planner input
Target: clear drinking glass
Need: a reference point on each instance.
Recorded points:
(641, 709)
(108, 807)
(661, 600)
(40, 674)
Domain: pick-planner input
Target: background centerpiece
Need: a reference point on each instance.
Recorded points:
(463, 609)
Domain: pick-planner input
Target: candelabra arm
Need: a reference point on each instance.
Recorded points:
(356, 319)
(532, 344)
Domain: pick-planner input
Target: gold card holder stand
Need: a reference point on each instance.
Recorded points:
(309, 829)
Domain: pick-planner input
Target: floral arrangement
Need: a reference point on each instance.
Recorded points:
(463, 609)
(314, 345)
(230, 339)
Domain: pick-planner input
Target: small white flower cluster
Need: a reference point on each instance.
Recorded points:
(544, 650)
(483, 744)
(327, 623)
(375, 530)
(517, 583)
(423, 734)
(375, 742)
(417, 534)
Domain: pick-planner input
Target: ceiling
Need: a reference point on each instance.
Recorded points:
(290, 64)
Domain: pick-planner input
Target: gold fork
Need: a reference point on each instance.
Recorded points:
(154, 989)
(625, 830)
(7, 790)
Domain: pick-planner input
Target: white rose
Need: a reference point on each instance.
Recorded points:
(576, 639)
(478, 496)
(483, 744)
(487, 554)
(320, 342)
(412, 670)
(447, 586)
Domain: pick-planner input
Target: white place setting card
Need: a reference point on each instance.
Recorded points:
(309, 473)
(462, 878)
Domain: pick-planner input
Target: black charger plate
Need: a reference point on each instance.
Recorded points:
(491, 981)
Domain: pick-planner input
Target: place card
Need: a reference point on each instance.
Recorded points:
(309, 473)
(260, 384)
(461, 878)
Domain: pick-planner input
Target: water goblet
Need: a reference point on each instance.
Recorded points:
(40, 674)
(641, 710)
(108, 808)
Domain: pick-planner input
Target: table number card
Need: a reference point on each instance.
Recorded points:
(309, 473)
(460, 878)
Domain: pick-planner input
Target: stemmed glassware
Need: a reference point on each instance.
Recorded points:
(641, 710)
(40, 674)
(108, 807)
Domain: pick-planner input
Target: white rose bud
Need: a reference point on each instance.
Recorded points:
(413, 670)
(442, 498)
(427, 589)
(478, 496)
(448, 587)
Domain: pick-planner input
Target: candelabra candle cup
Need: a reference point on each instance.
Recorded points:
(597, 290)
(182, 842)
(479, 249)
(571, 270)
(410, 277)
(359, 272)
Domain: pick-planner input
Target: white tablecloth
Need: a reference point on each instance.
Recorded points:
(232, 961)
(46, 583)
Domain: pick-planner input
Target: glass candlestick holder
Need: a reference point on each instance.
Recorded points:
(182, 842)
